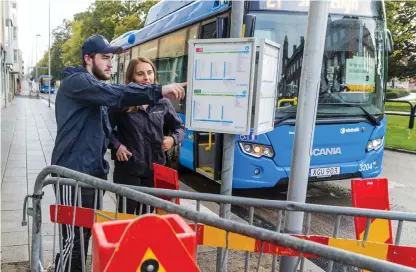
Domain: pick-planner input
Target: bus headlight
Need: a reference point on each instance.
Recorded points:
(375, 144)
(256, 150)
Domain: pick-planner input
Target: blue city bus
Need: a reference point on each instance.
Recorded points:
(44, 82)
(350, 125)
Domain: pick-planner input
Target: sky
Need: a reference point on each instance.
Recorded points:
(32, 17)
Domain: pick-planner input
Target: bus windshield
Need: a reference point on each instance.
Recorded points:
(46, 81)
(352, 69)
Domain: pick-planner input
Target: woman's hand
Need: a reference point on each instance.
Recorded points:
(168, 142)
(123, 154)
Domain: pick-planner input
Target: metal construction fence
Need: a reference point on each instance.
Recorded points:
(235, 236)
(411, 114)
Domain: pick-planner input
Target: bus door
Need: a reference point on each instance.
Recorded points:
(208, 145)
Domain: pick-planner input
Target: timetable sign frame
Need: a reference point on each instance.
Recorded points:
(266, 87)
(221, 76)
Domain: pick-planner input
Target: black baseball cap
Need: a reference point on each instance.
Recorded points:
(98, 44)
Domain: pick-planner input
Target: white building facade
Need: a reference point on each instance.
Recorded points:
(11, 56)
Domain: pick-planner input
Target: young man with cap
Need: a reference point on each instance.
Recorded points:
(84, 130)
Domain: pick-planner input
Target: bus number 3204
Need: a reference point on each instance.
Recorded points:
(365, 167)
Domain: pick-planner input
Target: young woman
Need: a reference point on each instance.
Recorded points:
(139, 140)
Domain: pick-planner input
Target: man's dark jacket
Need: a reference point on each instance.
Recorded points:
(84, 130)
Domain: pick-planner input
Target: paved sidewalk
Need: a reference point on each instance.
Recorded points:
(28, 133)
(26, 146)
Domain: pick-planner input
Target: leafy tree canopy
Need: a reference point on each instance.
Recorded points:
(108, 18)
(401, 21)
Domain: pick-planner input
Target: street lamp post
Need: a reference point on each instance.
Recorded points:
(36, 61)
(305, 121)
(49, 56)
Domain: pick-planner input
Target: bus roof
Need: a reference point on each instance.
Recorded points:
(164, 8)
(167, 16)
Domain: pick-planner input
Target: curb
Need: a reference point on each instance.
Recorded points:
(41, 97)
(400, 150)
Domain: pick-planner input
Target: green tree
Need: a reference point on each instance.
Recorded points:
(401, 21)
(99, 19)
(42, 66)
(60, 35)
(108, 18)
(71, 48)
(133, 16)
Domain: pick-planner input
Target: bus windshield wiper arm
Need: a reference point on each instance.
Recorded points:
(284, 118)
(370, 117)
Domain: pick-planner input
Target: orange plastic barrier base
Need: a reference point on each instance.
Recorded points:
(166, 243)
(372, 194)
(165, 178)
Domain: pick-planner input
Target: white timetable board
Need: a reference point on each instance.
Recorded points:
(266, 87)
(220, 85)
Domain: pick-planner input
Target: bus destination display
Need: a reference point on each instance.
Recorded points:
(353, 7)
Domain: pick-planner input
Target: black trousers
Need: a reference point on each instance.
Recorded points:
(67, 198)
(122, 175)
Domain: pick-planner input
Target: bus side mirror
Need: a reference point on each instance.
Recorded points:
(390, 44)
(249, 21)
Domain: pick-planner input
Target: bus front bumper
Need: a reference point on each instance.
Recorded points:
(251, 172)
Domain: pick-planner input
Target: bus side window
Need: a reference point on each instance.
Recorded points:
(120, 73)
(209, 31)
(126, 65)
(170, 63)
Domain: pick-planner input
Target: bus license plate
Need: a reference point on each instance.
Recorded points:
(325, 172)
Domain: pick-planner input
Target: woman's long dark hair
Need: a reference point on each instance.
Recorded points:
(131, 69)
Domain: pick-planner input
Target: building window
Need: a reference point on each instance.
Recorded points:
(15, 32)
(15, 55)
(6, 36)
(14, 5)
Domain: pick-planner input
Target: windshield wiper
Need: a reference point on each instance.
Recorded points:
(370, 117)
(291, 115)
